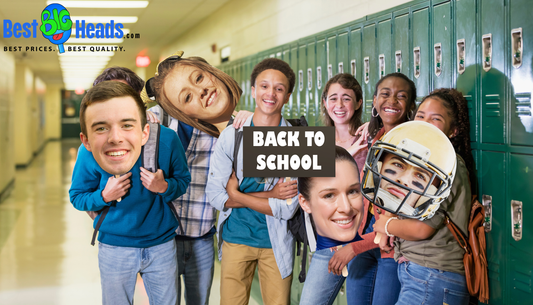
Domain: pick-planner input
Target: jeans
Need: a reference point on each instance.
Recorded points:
(320, 287)
(119, 267)
(372, 279)
(422, 285)
(196, 263)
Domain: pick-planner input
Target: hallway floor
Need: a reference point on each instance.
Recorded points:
(45, 252)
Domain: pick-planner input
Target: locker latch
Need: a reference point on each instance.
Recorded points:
(487, 204)
(438, 58)
(309, 79)
(330, 72)
(366, 64)
(517, 44)
(353, 69)
(381, 66)
(341, 67)
(461, 56)
(416, 60)
(319, 77)
(516, 219)
(487, 51)
(301, 80)
(398, 56)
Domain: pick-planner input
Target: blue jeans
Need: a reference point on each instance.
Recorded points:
(422, 285)
(320, 287)
(196, 263)
(119, 267)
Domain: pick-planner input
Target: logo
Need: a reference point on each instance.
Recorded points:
(56, 25)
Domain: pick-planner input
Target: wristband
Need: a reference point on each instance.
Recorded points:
(387, 225)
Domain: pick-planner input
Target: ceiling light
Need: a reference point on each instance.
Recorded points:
(101, 4)
(105, 19)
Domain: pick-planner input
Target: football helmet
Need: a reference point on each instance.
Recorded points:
(410, 171)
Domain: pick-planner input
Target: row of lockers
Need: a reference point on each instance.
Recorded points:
(481, 47)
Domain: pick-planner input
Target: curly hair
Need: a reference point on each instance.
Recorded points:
(457, 108)
(275, 64)
(375, 122)
(347, 81)
(172, 62)
(121, 73)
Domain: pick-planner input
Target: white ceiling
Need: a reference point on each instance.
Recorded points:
(159, 24)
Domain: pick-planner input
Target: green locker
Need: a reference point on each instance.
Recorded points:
(492, 184)
(321, 74)
(466, 67)
(521, 227)
(331, 49)
(369, 75)
(310, 84)
(343, 62)
(384, 48)
(521, 60)
(303, 102)
(420, 52)
(441, 69)
(401, 52)
(292, 105)
(493, 81)
(356, 60)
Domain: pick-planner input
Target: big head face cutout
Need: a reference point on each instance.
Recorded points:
(115, 133)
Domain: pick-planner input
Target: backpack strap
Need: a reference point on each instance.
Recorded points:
(103, 213)
(238, 139)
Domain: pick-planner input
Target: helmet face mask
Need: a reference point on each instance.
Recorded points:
(404, 177)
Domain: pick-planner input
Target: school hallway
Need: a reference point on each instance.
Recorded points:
(45, 253)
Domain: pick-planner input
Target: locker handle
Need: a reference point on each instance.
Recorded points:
(416, 60)
(353, 68)
(438, 58)
(487, 51)
(517, 46)
(366, 64)
(301, 80)
(381, 66)
(461, 56)
(309, 79)
(319, 77)
(516, 219)
(330, 72)
(341, 67)
(398, 56)
(486, 200)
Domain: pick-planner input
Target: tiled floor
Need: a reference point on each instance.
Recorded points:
(45, 252)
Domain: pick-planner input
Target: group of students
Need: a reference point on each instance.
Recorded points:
(200, 172)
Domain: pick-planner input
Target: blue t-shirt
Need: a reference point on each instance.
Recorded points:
(185, 134)
(142, 218)
(323, 242)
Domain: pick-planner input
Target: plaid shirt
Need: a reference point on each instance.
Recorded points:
(196, 214)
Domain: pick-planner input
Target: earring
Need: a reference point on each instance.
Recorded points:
(409, 115)
(372, 112)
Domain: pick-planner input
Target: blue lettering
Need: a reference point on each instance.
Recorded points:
(80, 29)
(110, 29)
(34, 24)
(90, 29)
(7, 28)
(119, 28)
(100, 30)
(27, 31)
(16, 30)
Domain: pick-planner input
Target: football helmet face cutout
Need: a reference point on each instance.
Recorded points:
(410, 171)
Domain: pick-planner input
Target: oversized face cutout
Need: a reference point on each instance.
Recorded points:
(336, 203)
(115, 135)
(198, 94)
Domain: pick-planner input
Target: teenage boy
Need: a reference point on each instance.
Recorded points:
(137, 234)
(254, 226)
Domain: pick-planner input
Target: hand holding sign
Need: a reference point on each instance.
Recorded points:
(116, 188)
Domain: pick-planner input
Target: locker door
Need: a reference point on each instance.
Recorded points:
(466, 70)
(369, 75)
(356, 60)
(441, 67)
(342, 53)
(331, 49)
(321, 74)
(493, 80)
(401, 52)
(301, 83)
(520, 228)
(310, 85)
(492, 183)
(292, 105)
(384, 41)
(421, 65)
(238, 78)
(521, 60)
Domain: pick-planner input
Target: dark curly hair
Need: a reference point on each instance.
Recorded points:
(275, 64)
(121, 73)
(375, 122)
(347, 81)
(457, 108)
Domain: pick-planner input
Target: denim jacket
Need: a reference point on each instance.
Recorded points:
(221, 167)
